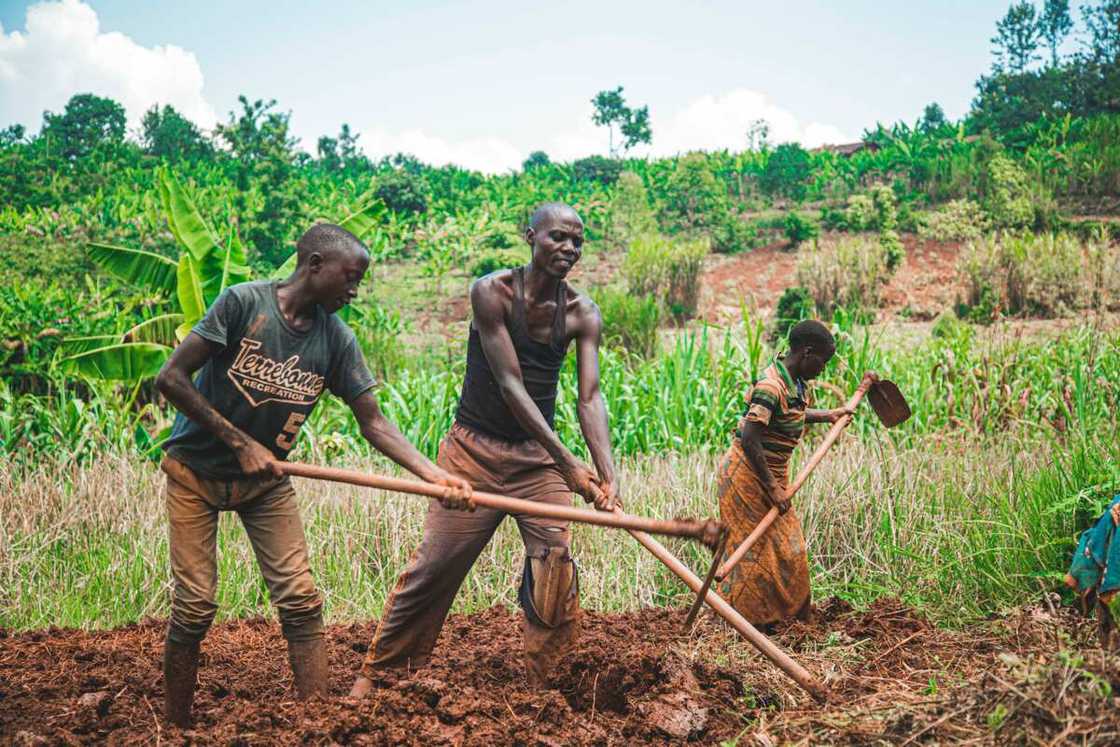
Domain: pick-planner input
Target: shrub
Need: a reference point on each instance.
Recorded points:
(379, 335)
(1044, 275)
(843, 274)
(537, 159)
(794, 305)
(646, 265)
(658, 266)
(799, 229)
(859, 215)
(1007, 199)
(629, 322)
(787, 172)
(630, 213)
(597, 169)
(959, 220)
(694, 198)
(731, 235)
(402, 192)
(686, 258)
(496, 259)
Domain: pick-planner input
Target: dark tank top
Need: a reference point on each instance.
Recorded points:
(481, 406)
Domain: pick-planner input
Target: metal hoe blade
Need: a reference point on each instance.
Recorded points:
(888, 403)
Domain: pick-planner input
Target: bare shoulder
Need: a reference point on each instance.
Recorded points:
(583, 313)
(492, 291)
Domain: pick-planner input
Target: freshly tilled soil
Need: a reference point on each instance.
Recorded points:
(632, 679)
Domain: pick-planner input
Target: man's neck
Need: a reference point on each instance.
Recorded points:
(294, 299)
(539, 285)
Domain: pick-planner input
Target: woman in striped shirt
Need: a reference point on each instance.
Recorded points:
(771, 583)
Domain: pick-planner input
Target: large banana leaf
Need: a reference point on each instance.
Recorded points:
(186, 223)
(76, 345)
(134, 266)
(285, 269)
(189, 289)
(365, 219)
(128, 361)
(222, 268)
(159, 329)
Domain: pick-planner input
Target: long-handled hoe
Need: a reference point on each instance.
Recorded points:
(711, 533)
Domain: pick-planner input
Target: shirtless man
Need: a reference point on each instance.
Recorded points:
(503, 441)
(264, 353)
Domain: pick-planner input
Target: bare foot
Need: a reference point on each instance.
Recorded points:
(361, 688)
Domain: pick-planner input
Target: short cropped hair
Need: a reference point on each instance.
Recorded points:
(328, 240)
(811, 333)
(548, 209)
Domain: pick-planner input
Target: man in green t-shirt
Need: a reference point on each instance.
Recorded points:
(263, 354)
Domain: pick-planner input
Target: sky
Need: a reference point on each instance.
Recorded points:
(485, 83)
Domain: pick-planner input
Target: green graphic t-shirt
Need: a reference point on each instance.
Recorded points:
(267, 377)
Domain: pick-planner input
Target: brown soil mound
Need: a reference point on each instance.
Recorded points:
(633, 679)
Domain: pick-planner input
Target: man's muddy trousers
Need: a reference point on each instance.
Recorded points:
(268, 510)
(416, 609)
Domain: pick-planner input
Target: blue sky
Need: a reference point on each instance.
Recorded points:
(484, 83)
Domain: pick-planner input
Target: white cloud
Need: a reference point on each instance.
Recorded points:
(64, 52)
(706, 123)
(489, 154)
(715, 122)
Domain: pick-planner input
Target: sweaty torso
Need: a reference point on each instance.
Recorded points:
(540, 332)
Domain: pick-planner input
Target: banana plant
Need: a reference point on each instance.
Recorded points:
(206, 266)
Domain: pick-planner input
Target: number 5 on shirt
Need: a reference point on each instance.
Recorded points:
(287, 437)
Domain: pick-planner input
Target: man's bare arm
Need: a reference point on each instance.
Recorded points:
(174, 382)
(593, 418)
(752, 446)
(497, 345)
(384, 436)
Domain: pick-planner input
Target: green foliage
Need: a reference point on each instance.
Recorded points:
(165, 133)
(795, 304)
(860, 213)
(957, 220)
(605, 171)
(787, 172)
(630, 212)
(1017, 37)
(402, 192)
(629, 322)
(1007, 200)
(666, 268)
(799, 229)
(848, 273)
(497, 259)
(537, 159)
(87, 124)
(1046, 275)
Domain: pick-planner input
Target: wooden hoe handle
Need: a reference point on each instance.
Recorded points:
(707, 531)
(814, 460)
(766, 647)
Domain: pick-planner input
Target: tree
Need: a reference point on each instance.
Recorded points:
(758, 135)
(537, 159)
(1054, 25)
(611, 111)
(1103, 23)
(597, 169)
(265, 158)
(933, 118)
(87, 122)
(787, 171)
(341, 153)
(1016, 39)
(165, 133)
